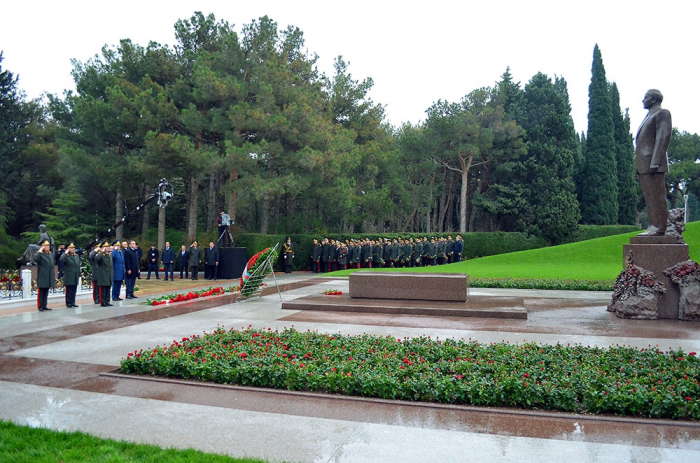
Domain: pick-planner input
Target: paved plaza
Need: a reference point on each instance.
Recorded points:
(57, 371)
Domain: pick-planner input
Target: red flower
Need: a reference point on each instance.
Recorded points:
(243, 355)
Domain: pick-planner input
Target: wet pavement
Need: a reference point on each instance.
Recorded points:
(57, 370)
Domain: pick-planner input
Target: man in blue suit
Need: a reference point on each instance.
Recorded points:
(168, 257)
(118, 265)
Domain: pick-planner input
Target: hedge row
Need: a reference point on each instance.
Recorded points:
(478, 244)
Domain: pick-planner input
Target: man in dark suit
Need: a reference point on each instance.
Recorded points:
(183, 259)
(168, 258)
(316, 256)
(211, 261)
(131, 267)
(152, 257)
(653, 138)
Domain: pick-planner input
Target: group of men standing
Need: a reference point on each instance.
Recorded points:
(113, 266)
(188, 260)
(331, 255)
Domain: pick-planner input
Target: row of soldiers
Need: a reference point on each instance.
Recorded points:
(331, 255)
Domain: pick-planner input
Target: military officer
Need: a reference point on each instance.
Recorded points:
(105, 273)
(45, 278)
(71, 274)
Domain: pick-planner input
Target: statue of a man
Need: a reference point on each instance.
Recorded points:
(653, 138)
(44, 236)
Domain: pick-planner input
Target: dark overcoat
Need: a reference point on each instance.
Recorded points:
(44, 273)
(71, 269)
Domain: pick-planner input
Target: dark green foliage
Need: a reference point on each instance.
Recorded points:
(546, 172)
(599, 180)
(627, 186)
(589, 232)
(684, 170)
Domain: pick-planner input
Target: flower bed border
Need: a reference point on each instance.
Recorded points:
(496, 374)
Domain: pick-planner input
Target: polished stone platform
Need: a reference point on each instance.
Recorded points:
(410, 286)
(477, 306)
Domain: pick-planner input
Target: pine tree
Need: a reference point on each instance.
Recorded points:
(547, 170)
(598, 195)
(624, 149)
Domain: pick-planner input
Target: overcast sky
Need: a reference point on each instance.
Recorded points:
(416, 52)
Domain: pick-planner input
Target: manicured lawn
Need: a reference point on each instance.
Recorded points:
(597, 259)
(25, 444)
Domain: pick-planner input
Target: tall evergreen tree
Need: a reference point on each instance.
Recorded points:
(627, 186)
(547, 170)
(598, 195)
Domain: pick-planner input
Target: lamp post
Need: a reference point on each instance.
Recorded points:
(685, 219)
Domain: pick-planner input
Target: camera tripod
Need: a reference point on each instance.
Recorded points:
(230, 237)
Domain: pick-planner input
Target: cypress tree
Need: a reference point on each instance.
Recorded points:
(552, 211)
(599, 204)
(624, 149)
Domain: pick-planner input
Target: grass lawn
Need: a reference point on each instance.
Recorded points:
(597, 259)
(25, 444)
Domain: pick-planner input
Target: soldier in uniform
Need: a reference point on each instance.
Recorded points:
(459, 248)
(377, 254)
(94, 267)
(356, 255)
(71, 274)
(367, 254)
(44, 275)
(195, 259)
(441, 251)
(288, 252)
(449, 249)
(418, 253)
(105, 273)
(343, 257)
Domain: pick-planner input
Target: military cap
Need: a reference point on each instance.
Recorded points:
(106, 244)
(46, 243)
(71, 245)
(116, 243)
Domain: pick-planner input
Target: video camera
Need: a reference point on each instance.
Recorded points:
(164, 196)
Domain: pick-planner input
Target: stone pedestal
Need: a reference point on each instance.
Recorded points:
(410, 286)
(656, 254)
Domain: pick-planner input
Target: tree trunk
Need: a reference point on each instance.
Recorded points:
(463, 198)
(192, 209)
(146, 219)
(212, 211)
(161, 227)
(264, 215)
(278, 207)
(232, 196)
(447, 186)
(119, 232)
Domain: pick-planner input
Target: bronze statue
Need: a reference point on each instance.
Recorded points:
(653, 138)
(30, 254)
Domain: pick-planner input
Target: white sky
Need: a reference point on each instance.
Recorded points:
(416, 52)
